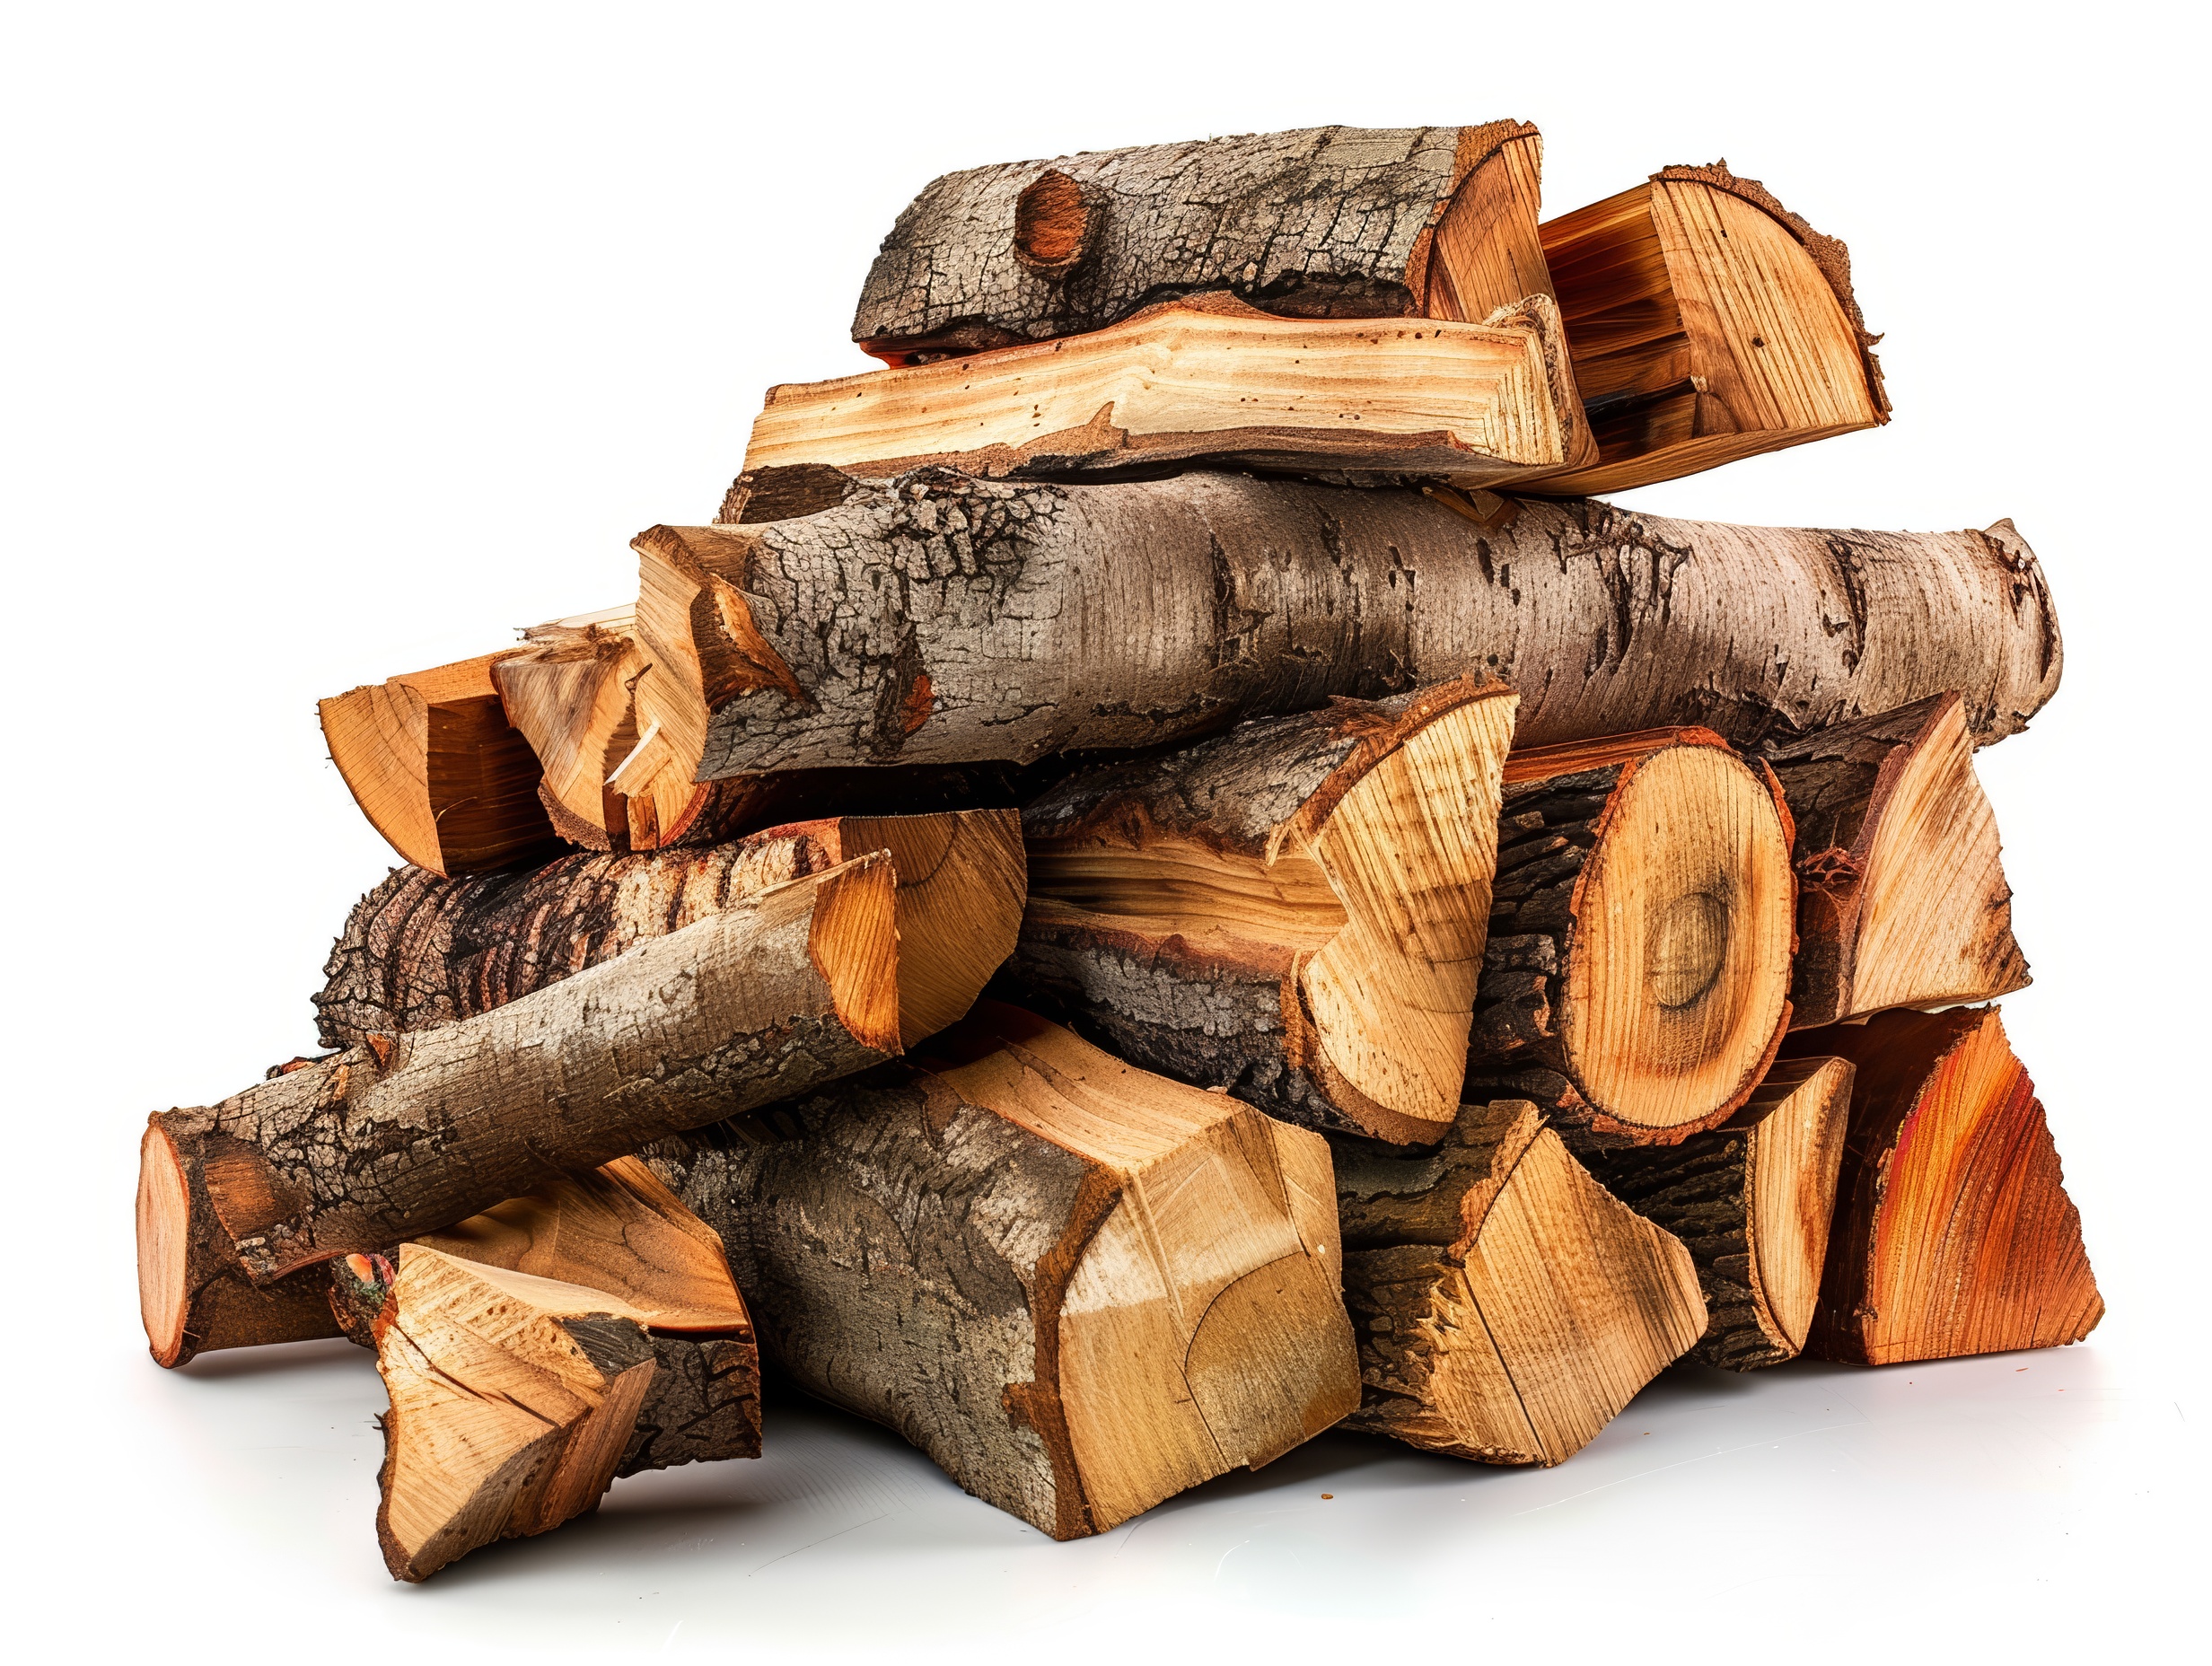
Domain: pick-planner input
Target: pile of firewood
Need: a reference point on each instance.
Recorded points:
(1160, 880)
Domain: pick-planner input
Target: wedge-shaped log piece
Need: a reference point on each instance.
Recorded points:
(1708, 323)
(1902, 899)
(1293, 911)
(1079, 1287)
(419, 950)
(434, 764)
(406, 1135)
(1954, 1234)
(942, 619)
(1751, 1202)
(1506, 1307)
(1635, 980)
(1212, 381)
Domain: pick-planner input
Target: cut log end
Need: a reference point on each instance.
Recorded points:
(854, 942)
(164, 1227)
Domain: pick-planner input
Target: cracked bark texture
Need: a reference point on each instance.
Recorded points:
(942, 619)
(407, 1134)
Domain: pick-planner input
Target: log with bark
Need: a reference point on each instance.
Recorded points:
(1506, 1307)
(1293, 910)
(1954, 1234)
(1750, 1201)
(1706, 323)
(409, 1134)
(419, 950)
(1079, 1287)
(1902, 899)
(1636, 979)
(942, 619)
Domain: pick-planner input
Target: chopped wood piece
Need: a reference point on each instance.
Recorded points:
(1206, 379)
(1635, 981)
(1902, 899)
(1954, 1234)
(1751, 1202)
(1708, 323)
(1078, 1287)
(407, 1134)
(432, 763)
(419, 949)
(1293, 911)
(1012, 621)
(1506, 1307)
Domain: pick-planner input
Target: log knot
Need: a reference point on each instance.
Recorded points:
(1055, 224)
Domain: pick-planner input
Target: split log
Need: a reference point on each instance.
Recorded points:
(1293, 911)
(942, 619)
(406, 1135)
(1078, 1287)
(1750, 1201)
(1902, 899)
(1506, 1307)
(434, 764)
(419, 950)
(1706, 323)
(1211, 380)
(1635, 980)
(1954, 1234)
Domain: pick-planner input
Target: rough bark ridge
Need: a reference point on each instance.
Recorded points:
(942, 619)
(1322, 222)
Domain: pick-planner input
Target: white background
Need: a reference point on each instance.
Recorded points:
(341, 341)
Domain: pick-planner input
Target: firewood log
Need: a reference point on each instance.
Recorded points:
(1293, 910)
(409, 1134)
(432, 763)
(1636, 979)
(1078, 1287)
(1706, 323)
(1902, 899)
(1954, 1234)
(419, 949)
(1206, 379)
(942, 619)
(1751, 1202)
(1506, 1307)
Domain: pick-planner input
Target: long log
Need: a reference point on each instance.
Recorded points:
(405, 1135)
(941, 619)
(1293, 911)
(1078, 1287)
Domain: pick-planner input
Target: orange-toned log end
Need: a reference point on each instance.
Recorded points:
(1953, 1234)
(853, 944)
(164, 1242)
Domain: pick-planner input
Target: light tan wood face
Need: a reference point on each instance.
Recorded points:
(1795, 1154)
(163, 1211)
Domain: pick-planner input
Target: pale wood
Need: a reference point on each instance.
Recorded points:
(1104, 1287)
(1506, 1306)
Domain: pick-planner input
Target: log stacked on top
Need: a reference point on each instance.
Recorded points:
(1450, 954)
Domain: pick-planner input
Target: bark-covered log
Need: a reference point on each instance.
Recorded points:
(944, 620)
(1293, 910)
(407, 1134)
(1636, 979)
(1751, 1202)
(419, 950)
(1902, 899)
(1506, 1307)
(1954, 1234)
(1078, 1287)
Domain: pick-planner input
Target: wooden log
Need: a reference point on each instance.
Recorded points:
(1206, 379)
(942, 619)
(1750, 1201)
(406, 1135)
(1506, 1307)
(419, 950)
(1635, 978)
(1078, 1287)
(434, 764)
(1706, 323)
(1902, 899)
(1293, 911)
(1954, 1234)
